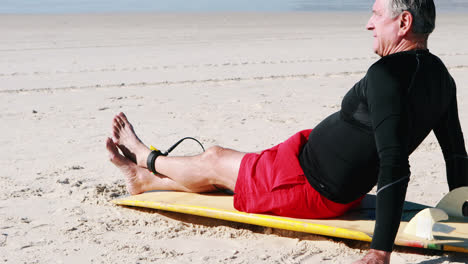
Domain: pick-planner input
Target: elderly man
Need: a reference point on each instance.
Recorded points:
(324, 172)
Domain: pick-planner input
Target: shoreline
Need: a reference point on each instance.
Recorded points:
(106, 13)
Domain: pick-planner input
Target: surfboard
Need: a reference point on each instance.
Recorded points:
(450, 234)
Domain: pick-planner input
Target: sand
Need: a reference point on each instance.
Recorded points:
(243, 81)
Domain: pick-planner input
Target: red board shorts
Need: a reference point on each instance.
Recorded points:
(273, 182)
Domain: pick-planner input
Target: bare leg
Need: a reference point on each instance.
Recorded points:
(139, 180)
(217, 165)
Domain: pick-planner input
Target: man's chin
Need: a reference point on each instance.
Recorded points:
(376, 51)
(375, 47)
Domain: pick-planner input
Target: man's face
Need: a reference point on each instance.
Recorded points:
(384, 27)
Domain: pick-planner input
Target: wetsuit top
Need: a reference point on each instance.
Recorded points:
(382, 120)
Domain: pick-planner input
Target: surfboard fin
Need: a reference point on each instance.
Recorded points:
(421, 224)
(455, 203)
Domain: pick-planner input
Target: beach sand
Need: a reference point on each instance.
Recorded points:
(243, 81)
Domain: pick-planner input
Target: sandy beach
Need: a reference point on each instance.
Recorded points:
(243, 81)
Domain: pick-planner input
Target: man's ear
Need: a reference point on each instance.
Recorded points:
(406, 23)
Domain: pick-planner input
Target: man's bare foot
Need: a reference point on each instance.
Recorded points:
(139, 180)
(134, 178)
(125, 138)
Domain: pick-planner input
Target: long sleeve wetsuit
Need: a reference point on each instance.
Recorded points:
(382, 120)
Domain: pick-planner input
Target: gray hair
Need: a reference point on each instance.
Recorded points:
(423, 12)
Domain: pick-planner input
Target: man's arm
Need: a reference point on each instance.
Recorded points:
(389, 118)
(452, 143)
(387, 100)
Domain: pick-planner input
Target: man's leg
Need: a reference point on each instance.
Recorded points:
(217, 165)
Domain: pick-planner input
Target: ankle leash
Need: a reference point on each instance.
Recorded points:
(155, 153)
(152, 158)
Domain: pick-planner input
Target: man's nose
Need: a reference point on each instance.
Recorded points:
(370, 25)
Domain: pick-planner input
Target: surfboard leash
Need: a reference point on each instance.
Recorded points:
(169, 150)
(156, 153)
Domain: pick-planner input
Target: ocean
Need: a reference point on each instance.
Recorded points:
(106, 6)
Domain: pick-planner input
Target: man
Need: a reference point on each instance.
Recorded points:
(324, 172)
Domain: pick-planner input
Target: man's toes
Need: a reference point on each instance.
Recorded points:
(114, 155)
(125, 121)
(122, 115)
(116, 133)
(117, 122)
(124, 118)
(121, 122)
(111, 147)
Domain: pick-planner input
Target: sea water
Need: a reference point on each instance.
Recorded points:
(99, 6)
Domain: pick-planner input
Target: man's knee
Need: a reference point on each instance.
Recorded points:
(208, 163)
(221, 166)
(213, 155)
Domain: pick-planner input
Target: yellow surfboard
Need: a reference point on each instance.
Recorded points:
(449, 235)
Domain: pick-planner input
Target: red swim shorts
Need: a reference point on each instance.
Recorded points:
(273, 182)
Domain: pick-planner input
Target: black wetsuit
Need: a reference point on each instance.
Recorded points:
(383, 118)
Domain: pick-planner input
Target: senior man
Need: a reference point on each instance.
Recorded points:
(322, 173)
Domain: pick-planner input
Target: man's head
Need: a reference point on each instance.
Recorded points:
(401, 24)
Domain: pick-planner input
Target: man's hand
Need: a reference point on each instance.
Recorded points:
(375, 257)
